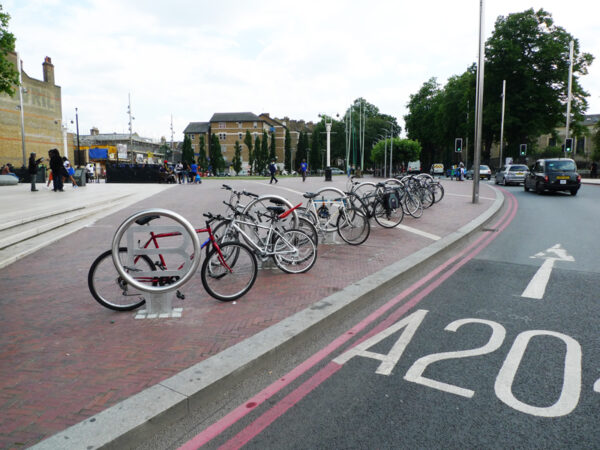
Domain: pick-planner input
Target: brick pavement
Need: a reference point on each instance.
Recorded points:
(64, 358)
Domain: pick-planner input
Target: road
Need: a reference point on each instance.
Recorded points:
(495, 345)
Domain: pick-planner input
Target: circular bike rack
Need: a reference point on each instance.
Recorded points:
(177, 277)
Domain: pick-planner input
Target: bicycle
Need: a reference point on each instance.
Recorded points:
(228, 272)
(379, 201)
(330, 210)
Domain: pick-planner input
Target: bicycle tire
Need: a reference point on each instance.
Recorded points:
(109, 289)
(225, 285)
(387, 218)
(438, 191)
(308, 215)
(299, 259)
(427, 196)
(353, 226)
(413, 205)
(309, 228)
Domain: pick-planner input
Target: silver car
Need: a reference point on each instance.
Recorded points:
(511, 174)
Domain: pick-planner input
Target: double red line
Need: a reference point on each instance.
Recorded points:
(429, 283)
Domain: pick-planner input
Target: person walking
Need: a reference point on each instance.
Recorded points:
(33, 169)
(57, 167)
(273, 169)
(179, 172)
(303, 169)
(69, 171)
(193, 172)
(594, 170)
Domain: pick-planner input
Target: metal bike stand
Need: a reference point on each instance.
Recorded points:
(158, 298)
(330, 237)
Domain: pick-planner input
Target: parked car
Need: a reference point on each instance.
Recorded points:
(511, 174)
(484, 172)
(554, 174)
(336, 171)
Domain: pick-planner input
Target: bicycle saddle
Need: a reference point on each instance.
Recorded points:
(276, 209)
(310, 195)
(146, 219)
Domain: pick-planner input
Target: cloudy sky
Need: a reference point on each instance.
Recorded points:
(190, 59)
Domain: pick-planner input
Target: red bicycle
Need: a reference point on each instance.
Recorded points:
(228, 271)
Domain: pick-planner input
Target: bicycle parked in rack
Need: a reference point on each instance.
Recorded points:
(228, 272)
(379, 201)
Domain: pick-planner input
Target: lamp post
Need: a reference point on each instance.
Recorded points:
(21, 90)
(391, 144)
(77, 156)
(328, 122)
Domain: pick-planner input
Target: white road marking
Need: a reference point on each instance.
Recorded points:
(597, 385)
(433, 237)
(537, 286)
(469, 196)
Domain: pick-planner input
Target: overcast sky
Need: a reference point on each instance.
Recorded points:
(190, 59)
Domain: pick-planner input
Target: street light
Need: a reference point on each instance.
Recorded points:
(384, 152)
(328, 129)
(77, 156)
(391, 143)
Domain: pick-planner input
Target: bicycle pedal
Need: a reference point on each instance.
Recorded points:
(180, 295)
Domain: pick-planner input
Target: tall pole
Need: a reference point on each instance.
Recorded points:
(172, 159)
(502, 121)
(20, 69)
(77, 128)
(130, 127)
(391, 148)
(569, 94)
(467, 138)
(385, 155)
(478, 107)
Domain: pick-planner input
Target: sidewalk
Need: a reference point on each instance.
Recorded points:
(64, 358)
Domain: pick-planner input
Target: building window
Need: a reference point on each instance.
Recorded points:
(192, 147)
(222, 136)
(192, 137)
(240, 136)
(222, 125)
(239, 124)
(255, 125)
(580, 144)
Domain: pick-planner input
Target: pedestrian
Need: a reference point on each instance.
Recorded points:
(70, 171)
(57, 167)
(461, 172)
(193, 172)
(198, 179)
(594, 170)
(303, 169)
(89, 172)
(273, 169)
(179, 172)
(33, 169)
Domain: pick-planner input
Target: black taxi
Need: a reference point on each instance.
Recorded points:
(554, 174)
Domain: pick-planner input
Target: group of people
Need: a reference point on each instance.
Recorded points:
(61, 171)
(189, 172)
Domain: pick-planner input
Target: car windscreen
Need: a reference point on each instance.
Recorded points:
(518, 168)
(484, 168)
(558, 166)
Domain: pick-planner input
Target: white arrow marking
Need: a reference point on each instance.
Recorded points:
(537, 285)
(597, 385)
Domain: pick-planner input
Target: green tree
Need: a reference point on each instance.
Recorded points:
(248, 143)
(255, 155)
(263, 159)
(9, 76)
(273, 147)
(288, 151)
(596, 142)
(300, 150)
(404, 150)
(237, 158)
(202, 161)
(187, 154)
(532, 54)
(216, 156)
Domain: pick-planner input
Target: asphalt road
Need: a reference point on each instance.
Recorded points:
(498, 347)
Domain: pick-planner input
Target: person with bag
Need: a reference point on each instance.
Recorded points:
(303, 169)
(57, 167)
(273, 169)
(33, 169)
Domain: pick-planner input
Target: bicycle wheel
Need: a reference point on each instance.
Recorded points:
(327, 204)
(308, 215)
(438, 191)
(412, 204)
(110, 289)
(295, 251)
(227, 284)
(309, 228)
(388, 217)
(427, 197)
(353, 226)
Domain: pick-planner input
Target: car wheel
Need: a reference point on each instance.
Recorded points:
(574, 192)
(504, 181)
(496, 180)
(525, 186)
(539, 189)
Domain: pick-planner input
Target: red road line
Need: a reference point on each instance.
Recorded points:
(277, 410)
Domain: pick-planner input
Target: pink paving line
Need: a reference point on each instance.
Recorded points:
(218, 427)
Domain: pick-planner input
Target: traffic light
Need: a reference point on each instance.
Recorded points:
(458, 145)
(568, 145)
(523, 149)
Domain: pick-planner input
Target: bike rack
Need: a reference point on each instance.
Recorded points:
(330, 237)
(158, 298)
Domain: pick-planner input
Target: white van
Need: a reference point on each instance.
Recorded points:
(436, 169)
(414, 167)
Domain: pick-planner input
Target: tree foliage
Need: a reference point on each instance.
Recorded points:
(532, 54)
(217, 162)
(263, 157)
(273, 147)
(287, 153)
(301, 150)
(317, 147)
(237, 158)
(187, 154)
(403, 151)
(596, 142)
(202, 161)
(9, 76)
(248, 143)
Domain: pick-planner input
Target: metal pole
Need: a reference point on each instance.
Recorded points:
(467, 138)
(130, 128)
(77, 127)
(569, 95)
(20, 69)
(479, 106)
(385, 155)
(391, 148)
(328, 128)
(502, 122)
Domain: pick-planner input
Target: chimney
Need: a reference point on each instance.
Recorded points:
(48, 70)
(94, 131)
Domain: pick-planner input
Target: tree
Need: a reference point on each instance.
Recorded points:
(404, 151)
(237, 158)
(216, 156)
(9, 76)
(248, 143)
(264, 152)
(300, 150)
(287, 154)
(187, 154)
(596, 142)
(272, 149)
(315, 157)
(202, 161)
(532, 54)
(255, 154)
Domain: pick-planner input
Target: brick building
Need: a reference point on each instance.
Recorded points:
(42, 111)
